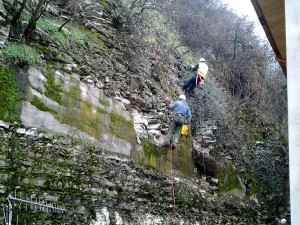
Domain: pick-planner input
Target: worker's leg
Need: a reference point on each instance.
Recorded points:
(191, 87)
(176, 134)
(169, 135)
(190, 82)
(178, 124)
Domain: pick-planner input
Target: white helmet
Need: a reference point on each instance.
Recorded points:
(283, 221)
(182, 97)
(202, 60)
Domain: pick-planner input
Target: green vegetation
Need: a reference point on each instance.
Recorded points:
(185, 198)
(39, 90)
(41, 106)
(21, 53)
(88, 104)
(103, 2)
(284, 139)
(51, 29)
(47, 50)
(151, 149)
(8, 95)
(101, 110)
(74, 92)
(158, 158)
(103, 102)
(87, 119)
(254, 187)
(228, 179)
(171, 32)
(50, 65)
(69, 34)
(153, 157)
(53, 90)
(122, 128)
(183, 157)
(186, 55)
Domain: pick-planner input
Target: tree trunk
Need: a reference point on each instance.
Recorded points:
(34, 18)
(17, 14)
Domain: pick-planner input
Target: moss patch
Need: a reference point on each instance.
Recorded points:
(103, 102)
(89, 119)
(53, 90)
(183, 159)
(284, 139)
(254, 187)
(122, 128)
(228, 179)
(8, 95)
(74, 92)
(103, 2)
(153, 156)
(151, 149)
(156, 157)
(40, 105)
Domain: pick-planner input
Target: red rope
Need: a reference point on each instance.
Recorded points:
(173, 189)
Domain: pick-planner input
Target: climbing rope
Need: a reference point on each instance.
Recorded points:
(172, 185)
(171, 144)
(203, 165)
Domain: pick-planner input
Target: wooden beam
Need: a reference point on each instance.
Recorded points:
(271, 16)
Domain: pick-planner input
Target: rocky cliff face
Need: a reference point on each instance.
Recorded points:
(109, 100)
(99, 188)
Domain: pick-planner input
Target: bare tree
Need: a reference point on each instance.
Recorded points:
(36, 13)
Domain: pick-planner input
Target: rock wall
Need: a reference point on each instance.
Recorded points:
(105, 91)
(99, 188)
(4, 27)
(62, 103)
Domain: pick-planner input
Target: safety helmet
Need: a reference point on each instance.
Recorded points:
(283, 221)
(202, 60)
(182, 97)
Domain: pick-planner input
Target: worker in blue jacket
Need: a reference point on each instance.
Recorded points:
(182, 115)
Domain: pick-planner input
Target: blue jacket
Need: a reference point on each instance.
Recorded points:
(195, 67)
(180, 107)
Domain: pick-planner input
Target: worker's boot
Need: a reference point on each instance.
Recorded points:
(173, 146)
(186, 93)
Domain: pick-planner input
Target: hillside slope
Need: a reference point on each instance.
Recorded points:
(126, 73)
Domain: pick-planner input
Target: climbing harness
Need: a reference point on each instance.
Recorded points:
(172, 185)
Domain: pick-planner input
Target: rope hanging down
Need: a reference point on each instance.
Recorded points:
(172, 185)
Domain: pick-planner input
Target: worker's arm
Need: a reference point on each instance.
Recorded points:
(195, 67)
(172, 105)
